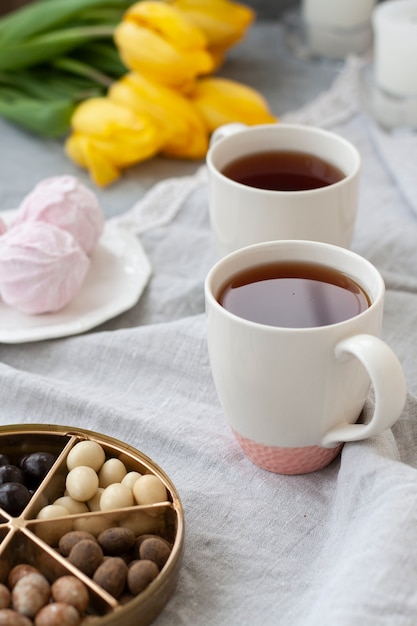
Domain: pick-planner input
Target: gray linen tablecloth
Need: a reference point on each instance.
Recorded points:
(337, 546)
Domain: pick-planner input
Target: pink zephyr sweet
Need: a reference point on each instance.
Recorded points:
(41, 267)
(65, 202)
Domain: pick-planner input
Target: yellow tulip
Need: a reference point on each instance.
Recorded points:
(156, 39)
(224, 23)
(85, 153)
(184, 130)
(108, 137)
(221, 101)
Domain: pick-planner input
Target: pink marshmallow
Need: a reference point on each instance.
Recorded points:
(41, 267)
(65, 202)
(3, 227)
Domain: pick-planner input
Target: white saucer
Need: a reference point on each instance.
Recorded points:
(118, 275)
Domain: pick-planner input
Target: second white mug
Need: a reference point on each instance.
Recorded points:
(241, 214)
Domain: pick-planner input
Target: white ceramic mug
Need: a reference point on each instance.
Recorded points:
(293, 396)
(241, 215)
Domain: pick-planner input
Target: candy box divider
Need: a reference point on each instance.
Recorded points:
(6, 536)
(50, 530)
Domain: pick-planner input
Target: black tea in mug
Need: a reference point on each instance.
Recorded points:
(281, 170)
(293, 295)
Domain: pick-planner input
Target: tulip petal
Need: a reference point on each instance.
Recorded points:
(82, 150)
(115, 125)
(108, 137)
(221, 101)
(75, 149)
(156, 39)
(100, 116)
(102, 171)
(148, 53)
(185, 134)
(224, 23)
(168, 22)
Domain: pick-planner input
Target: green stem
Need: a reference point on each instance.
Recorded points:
(49, 46)
(82, 69)
(75, 33)
(102, 55)
(44, 16)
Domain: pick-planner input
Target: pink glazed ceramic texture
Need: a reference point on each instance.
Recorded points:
(287, 460)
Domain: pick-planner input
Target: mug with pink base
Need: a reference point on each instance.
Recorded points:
(293, 330)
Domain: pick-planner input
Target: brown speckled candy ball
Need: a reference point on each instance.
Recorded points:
(140, 575)
(70, 590)
(18, 571)
(58, 614)
(116, 541)
(30, 594)
(8, 617)
(155, 549)
(68, 541)
(87, 556)
(111, 575)
(5, 597)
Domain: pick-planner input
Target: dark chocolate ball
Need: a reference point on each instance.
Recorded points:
(36, 466)
(13, 498)
(4, 460)
(11, 474)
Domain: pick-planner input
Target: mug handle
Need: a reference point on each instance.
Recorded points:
(226, 131)
(389, 385)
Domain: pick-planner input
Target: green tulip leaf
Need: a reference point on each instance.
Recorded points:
(43, 118)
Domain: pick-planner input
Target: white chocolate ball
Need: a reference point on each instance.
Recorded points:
(112, 471)
(149, 489)
(88, 453)
(73, 506)
(94, 503)
(130, 479)
(52, 510)
(82, 483)
(141, 523)
(94, 525)
(116, 496)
